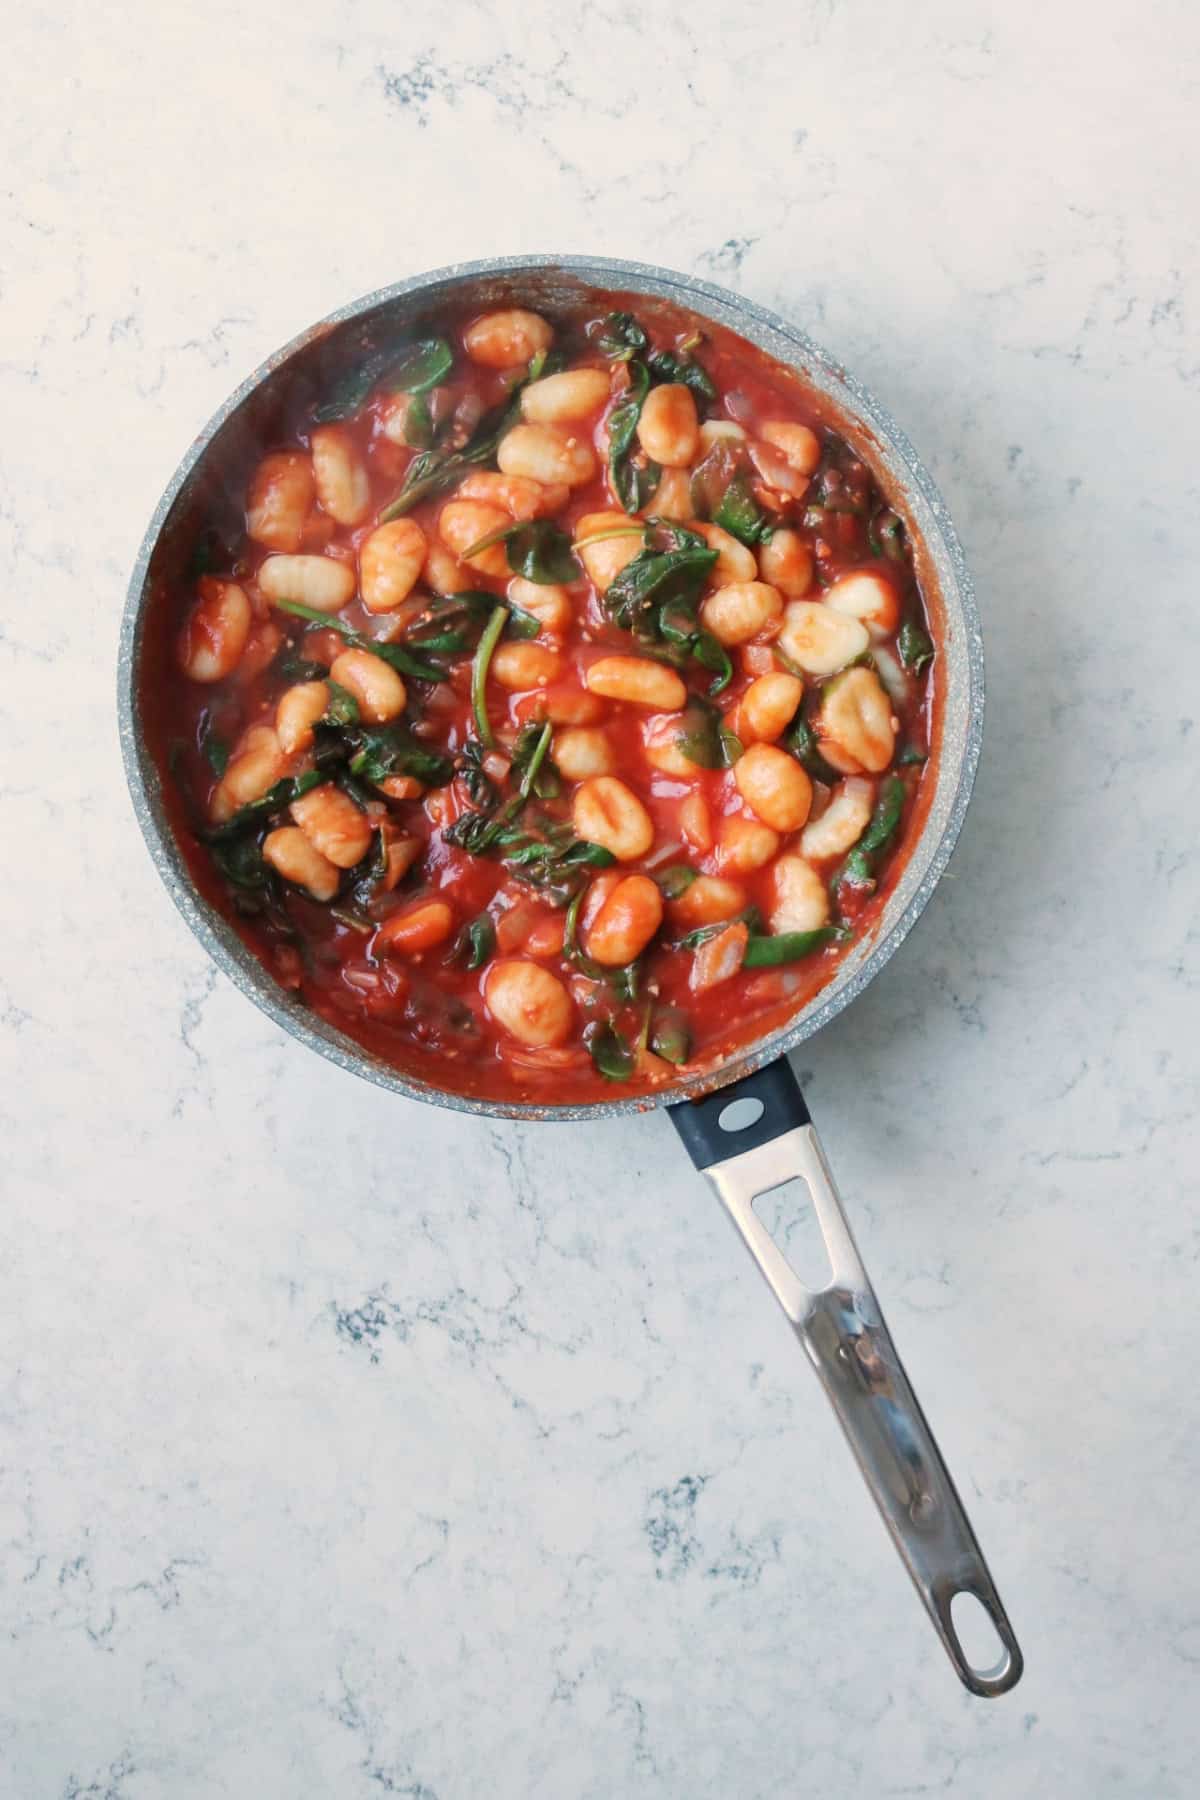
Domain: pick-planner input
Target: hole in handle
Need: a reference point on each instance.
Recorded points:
(983, 1649)
(788, 1214)
(739, 1115)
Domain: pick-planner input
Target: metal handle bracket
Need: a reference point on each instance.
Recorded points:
(848, 1343)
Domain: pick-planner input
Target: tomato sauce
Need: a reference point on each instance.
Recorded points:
(424, 1007)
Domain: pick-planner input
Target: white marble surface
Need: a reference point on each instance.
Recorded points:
(348, 1448)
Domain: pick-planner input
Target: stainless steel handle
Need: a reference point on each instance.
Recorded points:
(843, 1331)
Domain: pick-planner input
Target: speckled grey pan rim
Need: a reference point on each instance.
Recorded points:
(547, 279)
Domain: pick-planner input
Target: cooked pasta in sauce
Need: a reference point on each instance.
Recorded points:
(558, 717)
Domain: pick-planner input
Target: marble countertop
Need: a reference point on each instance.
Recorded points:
(347, 1447)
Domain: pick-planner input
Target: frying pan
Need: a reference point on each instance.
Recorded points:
(748, 1150)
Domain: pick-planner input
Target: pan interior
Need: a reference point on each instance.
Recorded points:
(228, 445)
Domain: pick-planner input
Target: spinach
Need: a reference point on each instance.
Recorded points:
(802, 741)
(276, 798)
(915, 646)
(551, 858)
(481, 789)
(705, 738)
(241, 861)
(418, 423)
(711, 654)
(531, 761)
(739, 512)
(613, 1056)
(436, 470)
(479, 671)
(669, 573)
(674, 881)
(886, 535)
(345, 395)
(421, 367)
(342, 708)
(692, 940)
(787, 946)
(620, 337)
(536, 548)
(299, 668)
(475, 942)
(216, 750)
(713, 475)
(911, 755)
(633, 485)
(665, 365)
(383, 750)
(399, 659)
(670, 1037)
(858, 870)
(413, 370)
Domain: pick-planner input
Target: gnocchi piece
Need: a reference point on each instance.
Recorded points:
(668, 429)
(608, 813)
(735, 563)
(580, 751)
(744, 845)
(343, 485)
(708, 900)
(820, 640)
(400, 853)
(501, 340)
(464, 523)
(442, 572)
(547, 454)
(317, 581)
(417, 928)
(520, 667)
(333, 824)
(799, 901)
(297, 713)
(625, 923)
(289, 852)
(797, 444)
(869, 598)
(563, 703)
(616, 541)
(842, 823)
(520, 497)
(560, 399)
(528, 1002)
(672, 498)
(660, 742)
(256, 765)
(695, 822)
(549, 603)
(767, 707)
(378, 689)
(637, 681)
(280, 499)
(719, 959)
(211, 643)
(787, 563)
(741, 611)
(774, 786)
(855, 724)
(390, 561)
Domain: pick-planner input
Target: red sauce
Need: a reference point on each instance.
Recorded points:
(426, 1011)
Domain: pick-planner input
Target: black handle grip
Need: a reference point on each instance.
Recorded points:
(698, 1122)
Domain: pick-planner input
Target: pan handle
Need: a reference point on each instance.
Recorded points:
(849, 1345)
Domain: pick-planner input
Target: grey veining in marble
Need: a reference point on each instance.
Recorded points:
(349, 1448)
